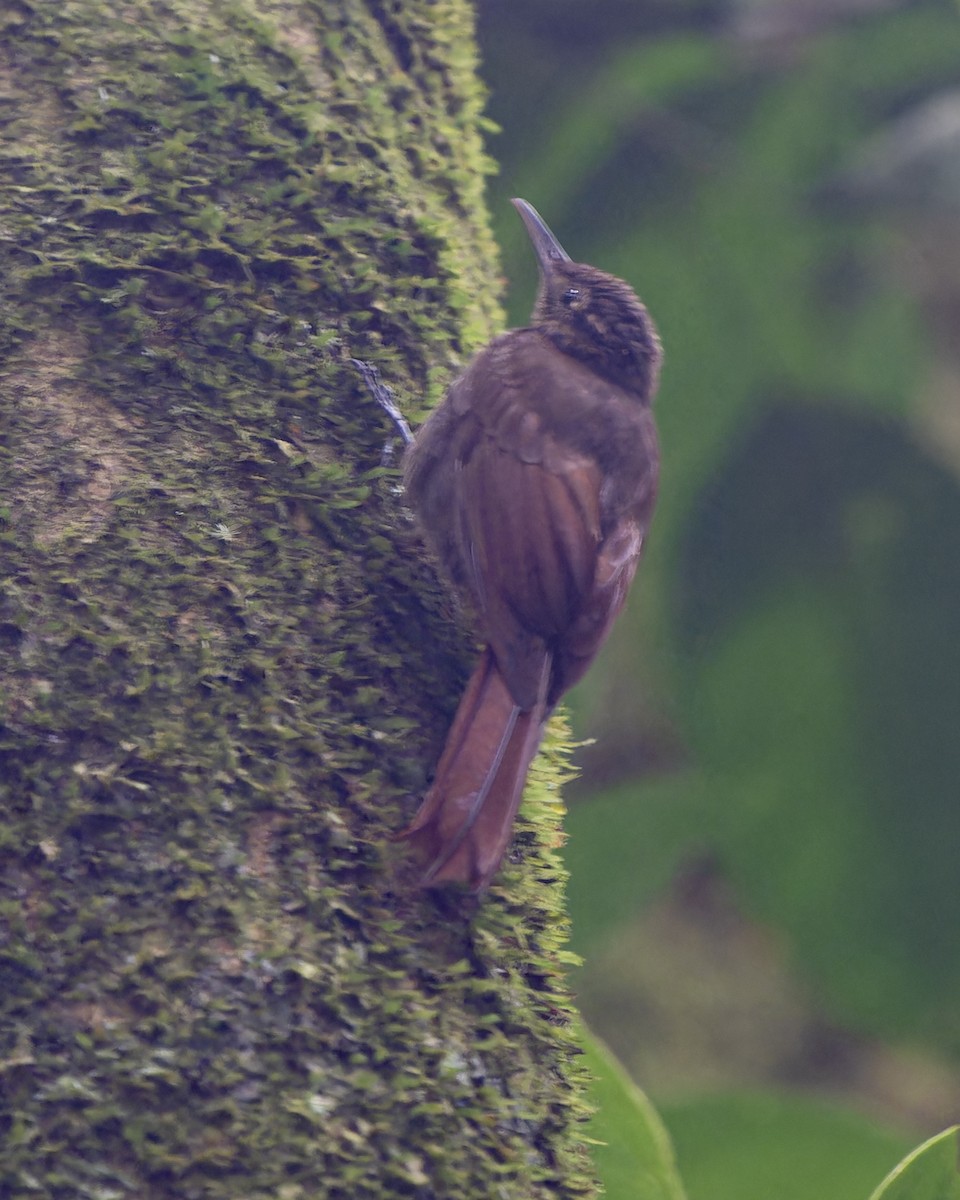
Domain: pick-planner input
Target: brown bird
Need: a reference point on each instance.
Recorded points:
(534, 481)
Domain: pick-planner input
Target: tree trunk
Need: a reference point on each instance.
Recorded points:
(226, 665)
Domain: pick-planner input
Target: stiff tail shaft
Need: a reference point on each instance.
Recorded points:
(463, 826)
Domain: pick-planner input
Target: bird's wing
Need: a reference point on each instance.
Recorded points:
(542, 560)
(616, 565)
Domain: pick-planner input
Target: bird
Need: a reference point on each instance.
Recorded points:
(534, 482)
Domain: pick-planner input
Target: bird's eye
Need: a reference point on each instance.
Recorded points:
(570, 296)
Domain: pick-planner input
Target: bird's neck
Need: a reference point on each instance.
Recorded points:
(626, 364)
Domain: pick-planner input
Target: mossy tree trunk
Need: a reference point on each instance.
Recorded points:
(226, 666)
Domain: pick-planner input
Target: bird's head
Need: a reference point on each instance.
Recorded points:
(591, 315)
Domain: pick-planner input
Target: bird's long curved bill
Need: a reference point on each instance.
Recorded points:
(548, 250)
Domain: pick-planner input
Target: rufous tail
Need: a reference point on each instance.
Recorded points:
(463, 826)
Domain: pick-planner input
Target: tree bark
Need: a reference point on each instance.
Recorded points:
(226, 664)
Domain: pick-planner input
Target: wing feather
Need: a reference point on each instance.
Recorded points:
(545, 548)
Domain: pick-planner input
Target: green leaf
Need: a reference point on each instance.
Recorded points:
(929, 1173)
(631, 1147)
(759, 1145)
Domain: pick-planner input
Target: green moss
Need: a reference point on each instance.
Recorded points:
(227, 666)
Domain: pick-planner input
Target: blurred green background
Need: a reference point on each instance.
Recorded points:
(765, 841)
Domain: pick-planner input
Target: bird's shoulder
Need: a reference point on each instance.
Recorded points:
(532, 398)
(523, 364)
